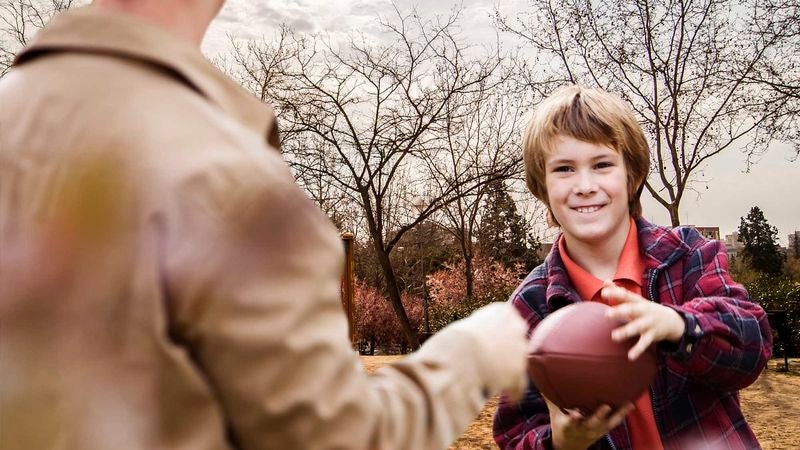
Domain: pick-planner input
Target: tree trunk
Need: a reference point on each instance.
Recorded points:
(394, 294)
(674, 213)
(469, 276)
(464, 241)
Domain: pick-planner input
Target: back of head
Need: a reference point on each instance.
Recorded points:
(186, 18)
(590, 115)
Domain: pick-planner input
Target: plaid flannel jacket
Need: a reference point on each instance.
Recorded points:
(695, 393)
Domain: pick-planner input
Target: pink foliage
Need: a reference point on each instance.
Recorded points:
(377, 321)
(492, 282)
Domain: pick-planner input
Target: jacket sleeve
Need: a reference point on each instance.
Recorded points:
(727, 341)
(253, 275)
(524, 425)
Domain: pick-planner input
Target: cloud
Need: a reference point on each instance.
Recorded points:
(247, 19)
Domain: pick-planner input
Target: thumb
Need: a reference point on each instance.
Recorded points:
(516, 392)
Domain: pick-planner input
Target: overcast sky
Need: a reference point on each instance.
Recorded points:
(726, 194)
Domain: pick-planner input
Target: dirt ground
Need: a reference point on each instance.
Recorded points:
(771, 406)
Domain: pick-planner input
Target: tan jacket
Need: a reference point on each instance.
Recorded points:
(164, 284)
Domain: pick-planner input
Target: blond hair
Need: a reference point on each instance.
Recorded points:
(590, 115)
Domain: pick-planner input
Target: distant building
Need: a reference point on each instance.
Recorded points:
(794, 244)
(732, 245)
(709, 232)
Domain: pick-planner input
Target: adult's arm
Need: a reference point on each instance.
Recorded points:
(253, 271)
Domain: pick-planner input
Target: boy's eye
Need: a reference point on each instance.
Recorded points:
(604, 165)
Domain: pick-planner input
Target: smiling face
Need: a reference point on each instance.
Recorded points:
(587, 191)
(586, 115)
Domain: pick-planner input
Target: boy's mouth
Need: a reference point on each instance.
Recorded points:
(587, 209)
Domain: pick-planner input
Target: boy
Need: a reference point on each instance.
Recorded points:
(587, 158)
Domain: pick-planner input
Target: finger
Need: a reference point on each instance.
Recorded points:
(631, 329)
(515, 393)
(623, 312)
(598, 417)
(553, 407)
(559, 414)
(626, 312)
(619, 415)
(574, 415)
(643, 344)
(620, 295)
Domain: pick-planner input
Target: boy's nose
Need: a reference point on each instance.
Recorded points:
(585, 184)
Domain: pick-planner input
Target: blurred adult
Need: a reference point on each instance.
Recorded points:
(164, 283)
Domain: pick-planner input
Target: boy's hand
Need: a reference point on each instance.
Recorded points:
(651, 321)
(572, 430)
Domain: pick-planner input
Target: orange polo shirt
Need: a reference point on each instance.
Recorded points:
(630, 269)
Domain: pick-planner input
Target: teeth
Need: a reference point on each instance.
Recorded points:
(588, 209)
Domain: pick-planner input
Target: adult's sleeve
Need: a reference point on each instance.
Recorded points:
(524, 425)
(253, 272)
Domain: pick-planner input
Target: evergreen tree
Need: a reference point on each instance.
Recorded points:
(502, 235)
(761, 249)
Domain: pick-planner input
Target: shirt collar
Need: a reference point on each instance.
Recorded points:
(630, 266)
(91, 30)
(631, 262)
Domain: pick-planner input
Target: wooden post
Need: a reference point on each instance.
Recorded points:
(348, 284)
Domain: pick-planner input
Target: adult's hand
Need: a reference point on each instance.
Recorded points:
(501, 336)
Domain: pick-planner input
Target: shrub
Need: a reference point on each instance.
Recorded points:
(780, 293)
(376, 323)
(492, 282)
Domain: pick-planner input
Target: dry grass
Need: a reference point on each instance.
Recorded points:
(771, 405)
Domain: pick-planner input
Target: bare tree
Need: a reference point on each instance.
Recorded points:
(690, 70)
(488, 136)
(371, 121)
(19, 22)
(780, 72)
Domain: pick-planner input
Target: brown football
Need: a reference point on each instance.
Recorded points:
(575, 364)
